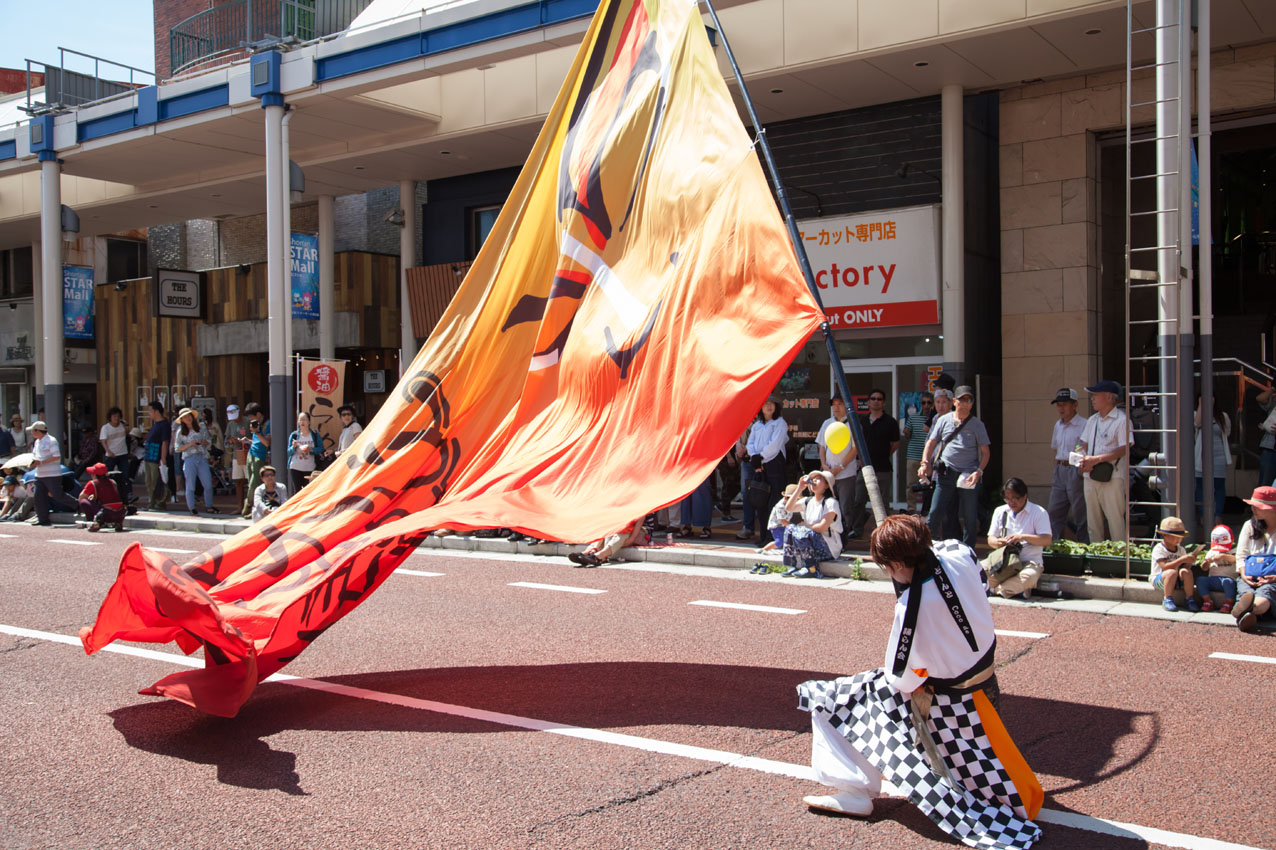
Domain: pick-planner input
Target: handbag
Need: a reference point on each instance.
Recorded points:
(1259, 566)
(1102, 472)
(1006, 561)
(758, 493)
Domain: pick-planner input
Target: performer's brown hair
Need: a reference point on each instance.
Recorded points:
(900, 539)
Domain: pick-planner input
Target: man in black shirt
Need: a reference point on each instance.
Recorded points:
(881, 432)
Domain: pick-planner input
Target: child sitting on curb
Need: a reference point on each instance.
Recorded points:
(1220, 563)
(776, 523)
(1172, 564)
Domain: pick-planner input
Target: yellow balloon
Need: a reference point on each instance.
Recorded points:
(838, 437)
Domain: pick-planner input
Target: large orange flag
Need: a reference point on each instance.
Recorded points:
(635, 302)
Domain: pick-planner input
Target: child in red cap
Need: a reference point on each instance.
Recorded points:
(1220, 566)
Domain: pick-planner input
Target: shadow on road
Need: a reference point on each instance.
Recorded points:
(1077, 741)
(1064, 739)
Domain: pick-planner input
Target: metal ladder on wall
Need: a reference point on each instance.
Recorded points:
(1153, 258)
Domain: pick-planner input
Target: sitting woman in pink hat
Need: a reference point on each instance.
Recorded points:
(100, 500)
(1256, 558)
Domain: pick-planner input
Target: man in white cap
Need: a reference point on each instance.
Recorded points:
(1067, 493)
(47, 463)
(237, 439)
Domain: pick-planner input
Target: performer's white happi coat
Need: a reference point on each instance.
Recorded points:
(862, 729)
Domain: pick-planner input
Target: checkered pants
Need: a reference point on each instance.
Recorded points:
(983, 811)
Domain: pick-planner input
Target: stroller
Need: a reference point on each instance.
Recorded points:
(221, 475)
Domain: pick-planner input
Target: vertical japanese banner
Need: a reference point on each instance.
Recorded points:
(77, 302)
(305, 276)
(322, 392)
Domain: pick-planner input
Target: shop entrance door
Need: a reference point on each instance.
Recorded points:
(902, 379)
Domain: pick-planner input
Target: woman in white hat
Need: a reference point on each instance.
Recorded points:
(191, 442)
(817, 535)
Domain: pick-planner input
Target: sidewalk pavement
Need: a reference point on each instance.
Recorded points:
(724, 553)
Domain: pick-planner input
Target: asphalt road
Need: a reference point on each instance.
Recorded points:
(630, 718)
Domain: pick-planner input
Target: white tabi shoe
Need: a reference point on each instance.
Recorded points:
(845, 803)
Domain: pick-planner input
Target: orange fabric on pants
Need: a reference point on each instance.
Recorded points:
(1025, 780)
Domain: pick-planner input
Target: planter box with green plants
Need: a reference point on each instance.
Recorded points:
(1105, 559)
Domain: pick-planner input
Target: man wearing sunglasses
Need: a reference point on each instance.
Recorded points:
(881, 433)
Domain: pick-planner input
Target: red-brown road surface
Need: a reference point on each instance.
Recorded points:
(1124, 719)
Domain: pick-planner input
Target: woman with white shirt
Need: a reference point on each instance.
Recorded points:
(302, 446)
(114, 440)
(1221, 429)
(817, 536)
(191, 442)
(765, 450)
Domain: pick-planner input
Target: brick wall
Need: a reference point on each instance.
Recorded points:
(358, 222)
(168, 14)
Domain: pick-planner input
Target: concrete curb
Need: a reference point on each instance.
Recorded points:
(1134, 597)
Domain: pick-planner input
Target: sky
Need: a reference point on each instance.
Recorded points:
(118, 30)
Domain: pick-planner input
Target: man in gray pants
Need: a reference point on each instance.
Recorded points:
(1067, 494)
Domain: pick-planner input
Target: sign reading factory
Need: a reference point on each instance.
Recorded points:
(178, 295)
(878, 269)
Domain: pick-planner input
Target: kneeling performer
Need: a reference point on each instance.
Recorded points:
(927, 721)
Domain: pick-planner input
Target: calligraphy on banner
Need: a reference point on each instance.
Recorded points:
(323, 389)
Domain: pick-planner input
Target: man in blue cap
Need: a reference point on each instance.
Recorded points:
(1105, 442)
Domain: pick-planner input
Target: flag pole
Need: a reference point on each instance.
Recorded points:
(853, 419)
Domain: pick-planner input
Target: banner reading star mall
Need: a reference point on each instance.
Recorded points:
(633, 305)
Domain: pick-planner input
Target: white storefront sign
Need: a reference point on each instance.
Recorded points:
(178, 294)
(878, 269)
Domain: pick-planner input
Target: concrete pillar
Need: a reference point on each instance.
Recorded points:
(327, 305)
(37, 333)
(51, 295)
(290, 382)
(1167, 239)
(277, 295)
(407, 259)
(1186, 326)
(954, 231)
(1206, 273)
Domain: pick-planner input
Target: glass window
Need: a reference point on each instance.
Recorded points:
(125, 259)
(480, 223)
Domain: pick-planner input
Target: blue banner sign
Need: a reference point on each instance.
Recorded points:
(305, 276)
(77, 302)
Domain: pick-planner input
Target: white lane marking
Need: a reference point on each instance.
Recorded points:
(173, 551)
(8, 535)
(1231, 656)
(1149, 834)
(766, 609)
(76, 542)
(562, 587)
(1029, 635)
(188, 535)
(401, 571)
(1073, 820)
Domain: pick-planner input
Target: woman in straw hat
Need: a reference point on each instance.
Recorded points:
(191, 442)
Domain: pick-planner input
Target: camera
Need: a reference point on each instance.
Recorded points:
(941, 468)
(254, 425)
